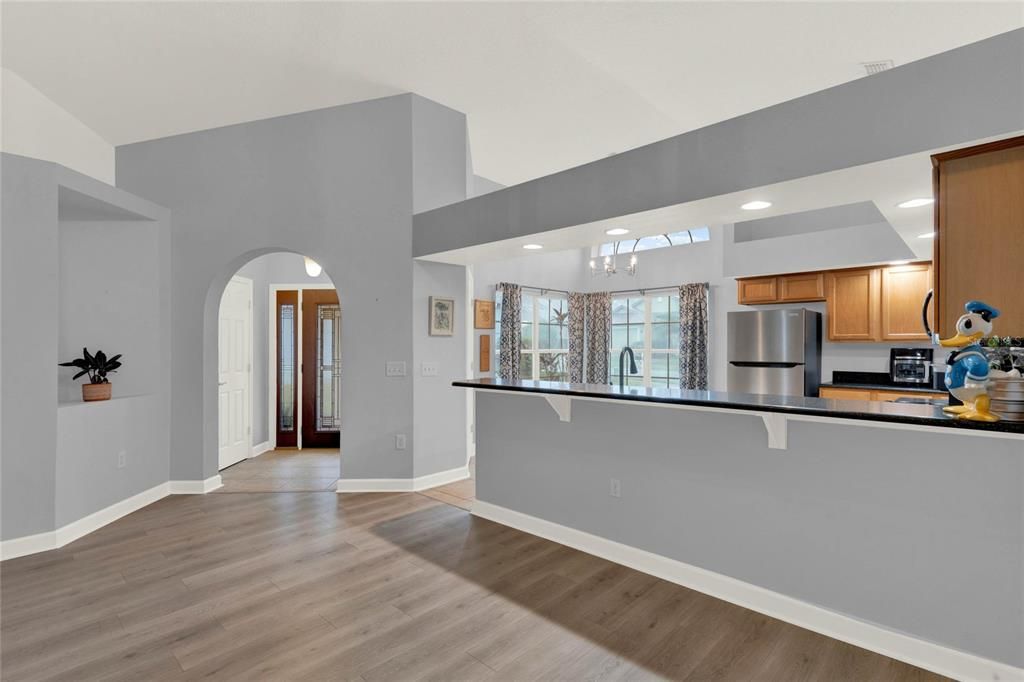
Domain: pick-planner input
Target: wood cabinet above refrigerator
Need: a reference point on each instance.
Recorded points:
(979, 225)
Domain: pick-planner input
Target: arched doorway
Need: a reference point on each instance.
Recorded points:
(278, 377)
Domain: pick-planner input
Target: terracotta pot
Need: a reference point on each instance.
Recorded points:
(92, 392)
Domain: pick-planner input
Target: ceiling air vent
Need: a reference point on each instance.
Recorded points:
(877, 67)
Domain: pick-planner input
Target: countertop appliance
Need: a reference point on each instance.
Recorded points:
(774, 352)
(910, 366)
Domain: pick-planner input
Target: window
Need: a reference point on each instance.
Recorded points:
(658, 241)
(545, 337)
(650, 326)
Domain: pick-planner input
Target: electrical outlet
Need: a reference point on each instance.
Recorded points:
(429, 369)
(122, 459)
(394, 368)
(399, 441)
(615, 487)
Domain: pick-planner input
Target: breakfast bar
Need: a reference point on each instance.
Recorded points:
(887, 524)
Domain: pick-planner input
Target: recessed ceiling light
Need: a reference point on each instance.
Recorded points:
(898, 262)
(616, 231)
(915, 203)
(533, 247)
(926, 235)
(755, 205)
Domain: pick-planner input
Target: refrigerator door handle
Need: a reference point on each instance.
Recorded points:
(778, 365)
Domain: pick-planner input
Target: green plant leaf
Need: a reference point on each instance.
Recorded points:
(84, 371)
(101, 358)
(89, 358)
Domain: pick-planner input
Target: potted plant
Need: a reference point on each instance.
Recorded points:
(97, 367)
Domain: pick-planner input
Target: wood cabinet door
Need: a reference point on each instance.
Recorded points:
(903, 290)
(757, 290)
(844, 393)
(853, 305)
(891, 396)
(979, 243)
(807, 286)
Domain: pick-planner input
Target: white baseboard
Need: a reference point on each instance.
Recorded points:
(402, 485)
(41, 542)
(195, 487)
(924, 654)
(260, 448)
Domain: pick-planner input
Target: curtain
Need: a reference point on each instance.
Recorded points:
(577, 315)
(511, 331)
(599, 319)
(693, 336)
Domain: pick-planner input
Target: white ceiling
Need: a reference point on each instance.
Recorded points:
(546, 86)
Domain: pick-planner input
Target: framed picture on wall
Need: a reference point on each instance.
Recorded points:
(483, 314)
(485, 352)
(442, 316)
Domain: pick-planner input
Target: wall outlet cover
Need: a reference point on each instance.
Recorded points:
(430, 369)
(122, 459)
(399, 441)
(394, 368)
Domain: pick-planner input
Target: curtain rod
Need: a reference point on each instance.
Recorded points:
(644, 290)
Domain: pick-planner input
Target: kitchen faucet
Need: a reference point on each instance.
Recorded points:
(632, 365)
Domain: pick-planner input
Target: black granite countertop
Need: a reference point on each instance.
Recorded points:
(924, 415)
(878, 381)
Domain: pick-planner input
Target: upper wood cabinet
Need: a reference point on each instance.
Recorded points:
(806, 286)
(798, 288)
(757, 290)
(979, 224)
(903, 290)
(853, 304)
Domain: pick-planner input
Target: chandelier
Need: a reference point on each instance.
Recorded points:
(609, 264)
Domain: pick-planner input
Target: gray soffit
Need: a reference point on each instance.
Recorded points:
(818, 220)
(72, 205)
(970, 93)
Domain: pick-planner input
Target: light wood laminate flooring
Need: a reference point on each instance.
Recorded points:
(321, 586)
(307, 470)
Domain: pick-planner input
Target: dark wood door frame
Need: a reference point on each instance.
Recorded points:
(311, 437)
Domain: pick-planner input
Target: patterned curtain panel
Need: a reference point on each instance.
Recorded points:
(577, 315)
(693, 336)
(511, 331)
(599, 320)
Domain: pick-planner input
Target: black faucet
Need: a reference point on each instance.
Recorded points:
(632, 365)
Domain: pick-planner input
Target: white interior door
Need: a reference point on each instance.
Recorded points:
(234, 368)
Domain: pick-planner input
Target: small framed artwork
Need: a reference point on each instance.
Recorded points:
(485, 353)
(483, 314)
(442, 316)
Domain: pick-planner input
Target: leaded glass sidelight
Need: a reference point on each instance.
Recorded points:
(328, 379)
(286, 368)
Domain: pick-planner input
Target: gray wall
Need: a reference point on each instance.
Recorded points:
(335, 184)
(969, 93)
(272, 268)
(86, 271)
(440, 408)
(921, 532)
(28, 349)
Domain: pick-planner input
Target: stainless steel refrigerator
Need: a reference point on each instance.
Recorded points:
(776, 352)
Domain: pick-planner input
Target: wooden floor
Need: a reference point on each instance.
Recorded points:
(306, 470)
(319, 586)
(460, 494)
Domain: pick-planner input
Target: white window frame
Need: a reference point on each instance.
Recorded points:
(613, 367)
(536, 352)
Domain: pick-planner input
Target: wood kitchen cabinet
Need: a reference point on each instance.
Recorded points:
(805, 286)
(979, 225)
(853, 304)
(903, 290)
(881, 394)
(752, 290)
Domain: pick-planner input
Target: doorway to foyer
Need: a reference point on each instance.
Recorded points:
(279, 357)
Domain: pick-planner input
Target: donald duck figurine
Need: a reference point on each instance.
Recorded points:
(967, 370)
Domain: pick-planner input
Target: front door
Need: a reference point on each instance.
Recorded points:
(321, 363)
(234, 365)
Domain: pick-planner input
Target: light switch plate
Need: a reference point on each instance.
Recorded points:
(429, 369)
(394, 368)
